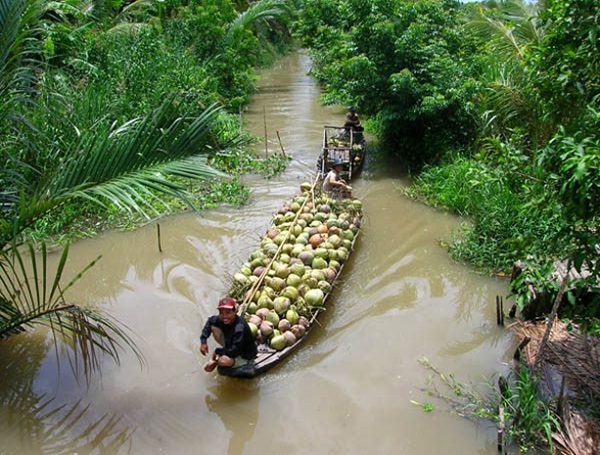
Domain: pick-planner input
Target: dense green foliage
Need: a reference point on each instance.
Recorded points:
(402, 62)
(110, 106)
(499, 101)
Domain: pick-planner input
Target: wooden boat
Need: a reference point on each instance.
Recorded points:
(289, 234)
(345, 144)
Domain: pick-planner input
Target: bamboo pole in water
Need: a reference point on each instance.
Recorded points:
(265, 122)
(158, 235)
(280, 144)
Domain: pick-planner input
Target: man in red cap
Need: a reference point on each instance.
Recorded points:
(232, 333)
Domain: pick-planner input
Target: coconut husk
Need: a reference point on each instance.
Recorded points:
(569, 369)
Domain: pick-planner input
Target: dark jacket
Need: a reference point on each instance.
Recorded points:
(239, 340)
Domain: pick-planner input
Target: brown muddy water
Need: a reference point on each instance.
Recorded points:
(346, 391)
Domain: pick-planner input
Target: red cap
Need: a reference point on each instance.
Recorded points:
(227, 303)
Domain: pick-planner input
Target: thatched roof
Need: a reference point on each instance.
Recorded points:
(569, 372)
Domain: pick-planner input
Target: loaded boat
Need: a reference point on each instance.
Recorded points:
(346, 144)
(287, 281)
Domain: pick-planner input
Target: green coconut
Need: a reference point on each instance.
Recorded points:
(334, 264)
(273, 317)
(306, 257)
(281, 304)
(318, 274)
(292, 316)
(277, 284)
(305, 186)
(291, 293)
(241, 279)
(319, 263)
(296, 230)
(257, 254)
(297, 269)
(314, 298)
(321, 253)
(251, 308)
(311, 281)
(294, 280)
(264, 301)
(348, 234)
(308, 217)
(269, 292)
(302, 239)
(253, 329)
(278, 342)
(282, 271)
(335, 240)
(324, 286)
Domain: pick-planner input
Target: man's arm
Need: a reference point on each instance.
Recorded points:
(206, 331)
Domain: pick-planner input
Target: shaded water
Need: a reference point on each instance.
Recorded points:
(347, 390)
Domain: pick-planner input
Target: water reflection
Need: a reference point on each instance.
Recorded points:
(235, 402)
(33, 420)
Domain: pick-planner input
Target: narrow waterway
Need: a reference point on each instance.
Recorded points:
(348, 390)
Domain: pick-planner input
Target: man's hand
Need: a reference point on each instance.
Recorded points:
(204, 348)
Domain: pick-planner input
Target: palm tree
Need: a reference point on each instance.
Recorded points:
(128, 165)
(509, 28)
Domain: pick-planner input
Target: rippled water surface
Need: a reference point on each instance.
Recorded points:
(346, 391)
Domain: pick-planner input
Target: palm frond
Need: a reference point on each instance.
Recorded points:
(510, 27)
(117, 164)
(264, 9)
(127, 27)
(18, 59)
(31, 294)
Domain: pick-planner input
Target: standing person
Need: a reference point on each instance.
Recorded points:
(352, 120)
(333, 183)
(232, 333)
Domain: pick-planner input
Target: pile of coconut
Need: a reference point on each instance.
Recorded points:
(287, 278)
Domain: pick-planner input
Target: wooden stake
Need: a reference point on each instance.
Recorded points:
(158, 235)
(265, 122)
(280, 144)
(503, 388)
(499, 310)
(551, 319)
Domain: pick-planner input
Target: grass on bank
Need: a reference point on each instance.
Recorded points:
(529, 421)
